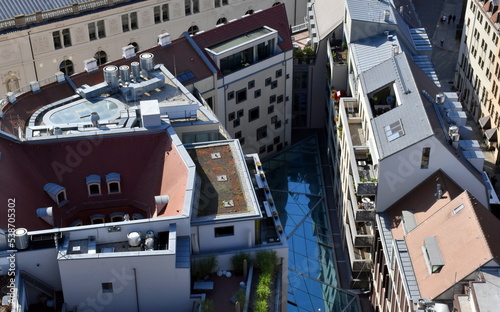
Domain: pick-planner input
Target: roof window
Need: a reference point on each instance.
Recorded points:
(94, 184)
(56, 192)
(432, 255)
(113, 181)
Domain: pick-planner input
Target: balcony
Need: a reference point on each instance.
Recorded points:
(362, 260)
(363, 235)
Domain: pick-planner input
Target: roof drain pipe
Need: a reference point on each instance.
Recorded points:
(136, 290)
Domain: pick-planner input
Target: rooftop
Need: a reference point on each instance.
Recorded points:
(224, 188)
(456, 216)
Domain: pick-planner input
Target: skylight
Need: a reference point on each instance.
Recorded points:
(394, 131)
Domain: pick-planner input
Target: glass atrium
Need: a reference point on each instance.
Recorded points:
(296, 183)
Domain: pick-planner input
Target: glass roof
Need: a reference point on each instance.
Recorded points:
(296, 184)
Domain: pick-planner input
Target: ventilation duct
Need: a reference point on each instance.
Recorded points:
(90, 65)
(21, 238)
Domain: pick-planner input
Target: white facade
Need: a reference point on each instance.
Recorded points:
(31, 54)
(478, 50)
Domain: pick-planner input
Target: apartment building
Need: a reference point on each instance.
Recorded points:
(478, 74)
(242, 70)
(391, 133)
(108, 206)
(420, 262)
(40, 38)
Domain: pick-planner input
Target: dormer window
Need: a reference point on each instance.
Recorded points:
(94, 185)
(97, 218)
(432, 255)
(116, 216)
(113, 181)
(56, 192)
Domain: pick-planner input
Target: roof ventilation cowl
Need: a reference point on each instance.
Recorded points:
(111, 75)
(125, 73)
(147, 61)
(21, 238)
(136, 70)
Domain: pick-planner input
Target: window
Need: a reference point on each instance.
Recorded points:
(224, 231)
(432, 255)
(268, 81)
(424, 164)
(135, 45)
(129, 22)
(193, 30)
(270, 109)
(265, 49)
(256, 93)
(261, 133)
(272, 99)
(230, 95)
(116, 216)
(270, 148)
(249, 12)
(225, 2)
(107, 287)
(274, 84)
(277, 140)
(236, 123)
(113, 181)
(61, 197)
(251, 84)
(101, 57)
(277, 125)
(279, 73)
(67, 68)
(262, 149)
(237, 135)
(161, 13)
(56, 192)
(240, 113)
(66, 38)
(217, 3)
(96, 30)
(196, 6)
(93, 184)
(97, 218)
(187, 7)
(280, 98)
(237, 61)
(221, 21)
(241, 95)
(274, 119)
(231, 116)
(253, 114)
(242, 141)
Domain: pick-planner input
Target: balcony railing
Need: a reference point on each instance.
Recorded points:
(362, 260)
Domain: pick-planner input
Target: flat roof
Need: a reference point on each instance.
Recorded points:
(224, 186)
(240, 40)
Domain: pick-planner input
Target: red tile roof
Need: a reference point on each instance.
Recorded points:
(467, 239)
(142, 161)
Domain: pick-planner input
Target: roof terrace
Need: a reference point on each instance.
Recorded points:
(224, 187)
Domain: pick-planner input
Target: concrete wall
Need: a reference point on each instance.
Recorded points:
(244, 236)
(156, 281)
(42, 264)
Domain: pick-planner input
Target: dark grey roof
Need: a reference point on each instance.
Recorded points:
(11, 8)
